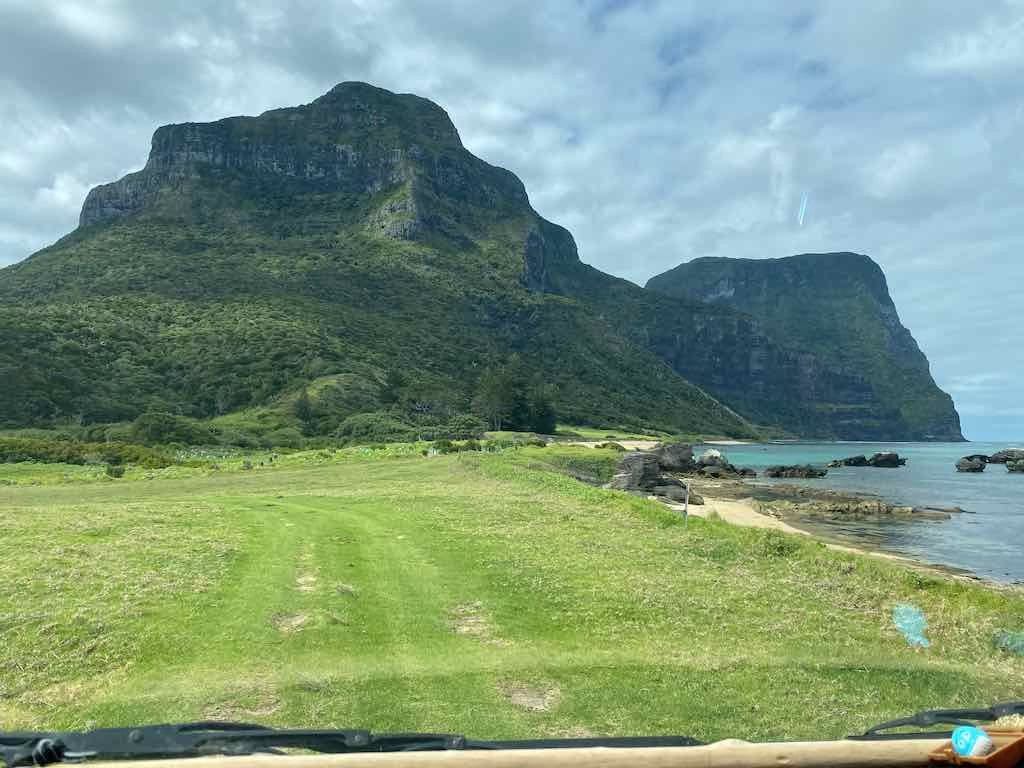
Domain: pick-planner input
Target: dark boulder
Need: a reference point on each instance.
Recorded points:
(851, 461)
(805, 471)
(943, 510)
(636, 472)
(1003, 457)
(886, 460)
(716, 472)
(640, 473)
(967, 464)
(675, 457)
(713, 463)
(978, 457)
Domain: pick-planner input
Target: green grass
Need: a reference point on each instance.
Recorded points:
(428, 588)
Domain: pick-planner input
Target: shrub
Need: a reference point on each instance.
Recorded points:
(286, 437)
(15, 449)
(611, 446)
(118, 433)
(778, 544)
(115, 470)
(444, 446)
(239, 437)
(376, 427)
(471, 445)
(465, 427)
(164, 428)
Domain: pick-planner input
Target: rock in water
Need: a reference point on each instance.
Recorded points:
(675, 457)
(978, 457)
(967, 464)
(886, 460)
(804, 471)
(1015, 466)
(1003, 457)
(851, 461)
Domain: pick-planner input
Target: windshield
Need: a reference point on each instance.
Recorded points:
(509, 371)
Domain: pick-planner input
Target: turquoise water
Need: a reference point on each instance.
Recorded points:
(988, 543)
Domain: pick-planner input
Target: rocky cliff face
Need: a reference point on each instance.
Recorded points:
(319, 245)
(834, 308)
(728, 353)
(356, 139)
(355, 234)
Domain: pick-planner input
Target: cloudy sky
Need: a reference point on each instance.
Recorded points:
(656, 131)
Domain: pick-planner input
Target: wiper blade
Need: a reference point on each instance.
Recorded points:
(931, 717)
(214, 738)
(203, 738)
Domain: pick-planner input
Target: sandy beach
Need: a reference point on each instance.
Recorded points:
(742, 512)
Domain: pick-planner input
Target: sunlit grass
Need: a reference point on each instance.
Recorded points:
(366, 588)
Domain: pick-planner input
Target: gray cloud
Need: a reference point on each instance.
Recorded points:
(656, 131)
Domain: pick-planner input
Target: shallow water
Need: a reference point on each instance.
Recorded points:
(988, 543)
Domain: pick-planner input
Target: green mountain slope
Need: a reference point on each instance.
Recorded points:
(327, 246)
(837, 307)
(331, 242)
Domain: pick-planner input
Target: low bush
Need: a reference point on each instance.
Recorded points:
(464, 428)
(444, 446)
(15, 449)
(166, 428)
(386, 427)
(286, 437)
(375, 427)
(778, 544)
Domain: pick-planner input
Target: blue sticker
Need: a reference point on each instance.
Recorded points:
(910, 621)
(971, 741)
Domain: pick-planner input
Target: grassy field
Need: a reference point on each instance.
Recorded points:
(484, 594)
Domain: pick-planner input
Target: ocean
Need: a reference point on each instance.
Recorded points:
(988, 543)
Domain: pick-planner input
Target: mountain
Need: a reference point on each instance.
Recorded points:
(319, 249)
(836, 307)
(314, 248)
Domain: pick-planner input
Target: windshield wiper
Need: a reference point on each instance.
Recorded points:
(931, 717)
(203, 738)
(212, 738)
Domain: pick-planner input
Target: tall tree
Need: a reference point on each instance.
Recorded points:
(494, 397)
(391, 388)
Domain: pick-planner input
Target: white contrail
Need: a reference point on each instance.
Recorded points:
(803, 209)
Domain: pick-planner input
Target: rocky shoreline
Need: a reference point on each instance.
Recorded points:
(673, 473)
(1013, 458)
(845, 520)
